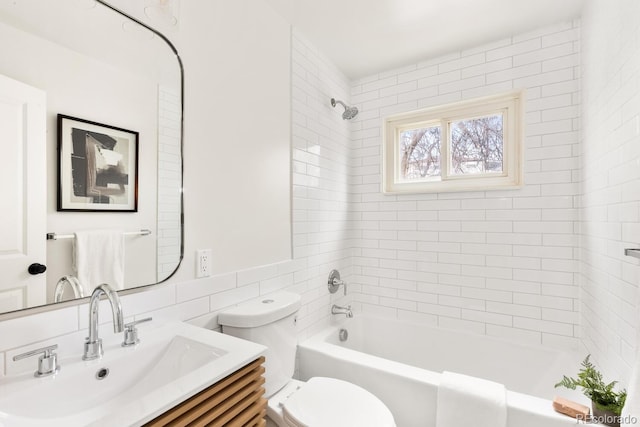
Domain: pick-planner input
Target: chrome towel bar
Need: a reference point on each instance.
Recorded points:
(54, 236)
(632, 252)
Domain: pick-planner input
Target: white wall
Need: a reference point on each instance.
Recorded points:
(237, 133)
(610, 218)
(500, 263)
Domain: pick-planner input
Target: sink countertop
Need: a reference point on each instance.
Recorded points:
(124, 407)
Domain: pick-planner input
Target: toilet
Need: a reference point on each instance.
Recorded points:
(319, 402)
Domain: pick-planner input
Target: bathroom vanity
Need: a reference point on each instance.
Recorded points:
(237, 400)
(178, 375)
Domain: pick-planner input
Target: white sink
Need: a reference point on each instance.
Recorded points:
(172, 362)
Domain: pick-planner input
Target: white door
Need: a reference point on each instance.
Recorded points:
(23, 197)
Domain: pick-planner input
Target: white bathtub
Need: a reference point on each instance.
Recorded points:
(401, 362)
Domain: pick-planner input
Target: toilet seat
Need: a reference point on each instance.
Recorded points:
(323, 402)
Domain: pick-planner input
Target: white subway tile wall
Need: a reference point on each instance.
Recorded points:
(501, 263)
(169, 180)
(610, 185)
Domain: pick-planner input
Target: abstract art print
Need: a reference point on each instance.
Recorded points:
(97, 166)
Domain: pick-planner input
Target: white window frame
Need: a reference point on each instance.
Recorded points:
(512, 176)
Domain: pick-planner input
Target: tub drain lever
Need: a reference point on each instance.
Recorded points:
(334, 282)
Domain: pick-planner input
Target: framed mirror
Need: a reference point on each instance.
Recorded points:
(87, 60)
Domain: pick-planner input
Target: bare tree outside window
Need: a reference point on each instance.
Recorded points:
(420, 153)
(470, 145)
(477, 145)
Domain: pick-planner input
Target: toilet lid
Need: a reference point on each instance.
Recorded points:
(323, 402)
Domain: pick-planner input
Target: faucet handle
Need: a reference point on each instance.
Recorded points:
(132, 325)
(341, 283)
(334, 282)
(131, 332)
(47, 363)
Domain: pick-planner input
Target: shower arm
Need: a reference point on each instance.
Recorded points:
(336, 101)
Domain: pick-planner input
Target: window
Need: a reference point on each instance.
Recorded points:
(466, 146)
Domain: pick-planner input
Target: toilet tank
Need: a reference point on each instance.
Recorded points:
(270, 321)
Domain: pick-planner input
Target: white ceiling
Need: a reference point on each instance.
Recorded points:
(363, 37)
(105, 35)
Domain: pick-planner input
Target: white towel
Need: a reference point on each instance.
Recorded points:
(98, 258)
(469, 401)
(631, 411)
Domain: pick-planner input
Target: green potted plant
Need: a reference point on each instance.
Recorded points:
(606, 404)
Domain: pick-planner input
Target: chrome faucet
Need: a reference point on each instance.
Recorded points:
(73, 283)
(93, 344)
(336, 309)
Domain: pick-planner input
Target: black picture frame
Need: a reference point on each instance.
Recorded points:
(97, 167)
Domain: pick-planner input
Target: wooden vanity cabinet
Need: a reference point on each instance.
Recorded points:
(235, 401)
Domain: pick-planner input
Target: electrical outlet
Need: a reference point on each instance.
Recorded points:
(203, 263)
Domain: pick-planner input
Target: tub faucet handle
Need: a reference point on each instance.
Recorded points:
(334, 282)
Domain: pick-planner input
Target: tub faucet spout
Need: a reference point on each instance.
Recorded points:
(336, 309)
(93, 344)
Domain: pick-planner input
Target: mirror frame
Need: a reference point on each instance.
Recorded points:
(64, 304)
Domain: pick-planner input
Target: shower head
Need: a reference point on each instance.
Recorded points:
(349, 112)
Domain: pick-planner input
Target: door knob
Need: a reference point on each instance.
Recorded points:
(36, 268)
